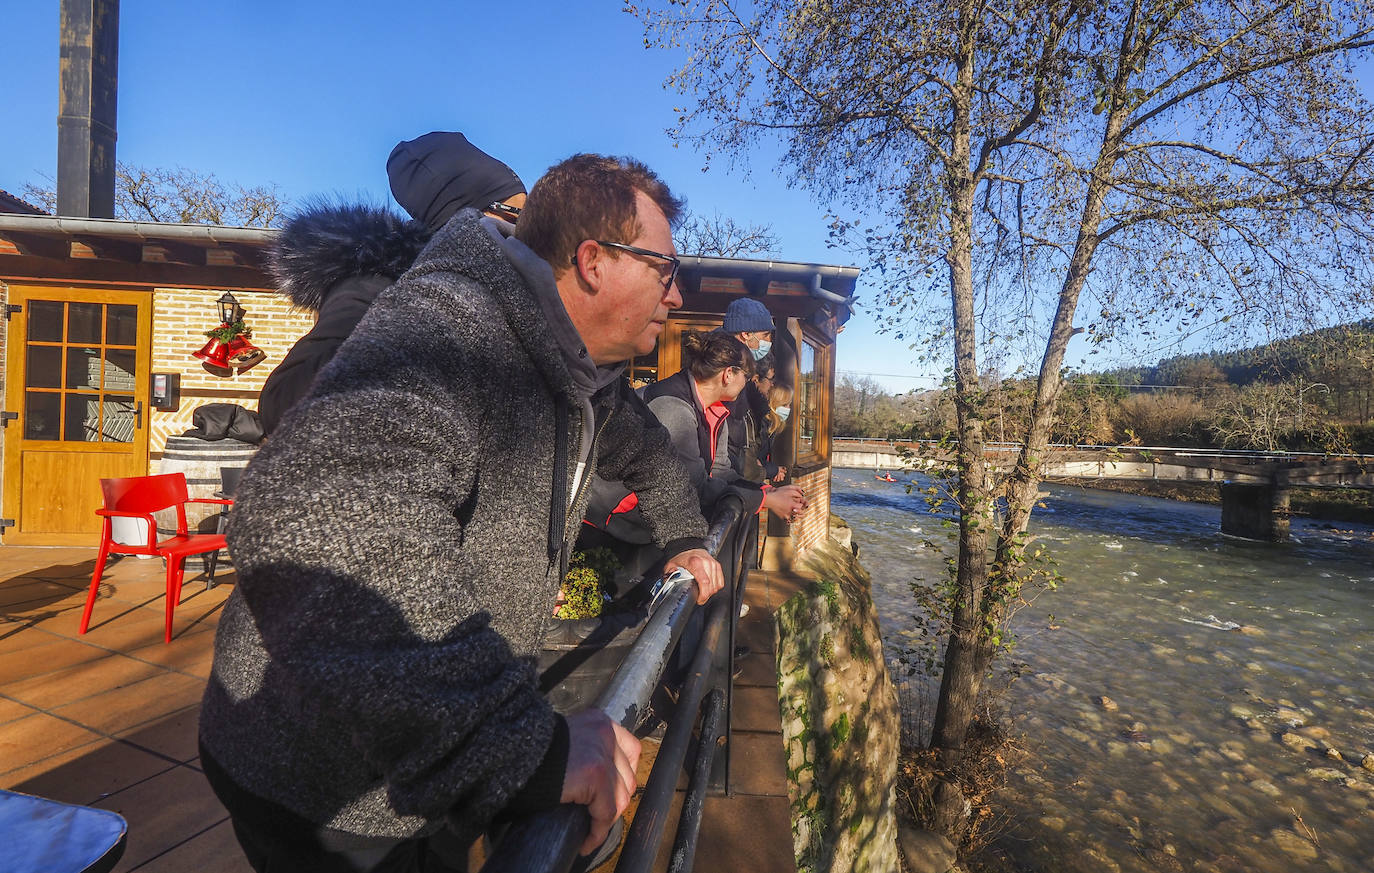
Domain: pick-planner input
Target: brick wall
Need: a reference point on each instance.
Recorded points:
(180, 318)
(814, 525)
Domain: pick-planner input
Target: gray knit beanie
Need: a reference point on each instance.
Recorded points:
(747, 315)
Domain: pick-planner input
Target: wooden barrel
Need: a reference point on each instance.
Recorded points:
(202, 462)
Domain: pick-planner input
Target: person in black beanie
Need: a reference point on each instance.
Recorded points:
(335, 259)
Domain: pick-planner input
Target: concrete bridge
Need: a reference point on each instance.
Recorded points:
(1254, 485)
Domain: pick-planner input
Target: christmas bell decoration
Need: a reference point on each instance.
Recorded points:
(230, 346)
(243, 354)
(215, 353)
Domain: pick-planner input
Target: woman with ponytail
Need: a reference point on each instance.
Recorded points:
(692, 405)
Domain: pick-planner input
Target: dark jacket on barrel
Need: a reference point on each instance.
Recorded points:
(397, 545)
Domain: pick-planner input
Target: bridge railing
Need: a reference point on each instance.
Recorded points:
(547, 842)
(1173, 451)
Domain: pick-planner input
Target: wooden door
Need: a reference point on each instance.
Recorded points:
(77, 385)
(670, 355)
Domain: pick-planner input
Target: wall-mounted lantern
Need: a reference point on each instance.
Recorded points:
(230, 344)
(229, 309)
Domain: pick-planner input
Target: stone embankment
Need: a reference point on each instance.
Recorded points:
(841, 727)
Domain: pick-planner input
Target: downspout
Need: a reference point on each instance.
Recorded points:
(828, 296)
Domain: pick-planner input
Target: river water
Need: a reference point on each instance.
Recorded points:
(1189, 701)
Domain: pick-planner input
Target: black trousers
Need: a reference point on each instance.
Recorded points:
(277, 840)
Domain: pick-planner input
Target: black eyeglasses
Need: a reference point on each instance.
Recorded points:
(636, 250)
(505, 210)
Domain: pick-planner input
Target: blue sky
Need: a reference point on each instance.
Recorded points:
(312, 96)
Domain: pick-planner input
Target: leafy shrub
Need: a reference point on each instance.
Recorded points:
(584, 588)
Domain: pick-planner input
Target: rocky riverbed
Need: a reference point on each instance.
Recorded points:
(1188, 701)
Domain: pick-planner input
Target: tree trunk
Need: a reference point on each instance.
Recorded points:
(965, 661)
(1024, 483)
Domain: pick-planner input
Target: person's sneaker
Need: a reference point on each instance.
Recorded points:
(743, 610)
(585, 863)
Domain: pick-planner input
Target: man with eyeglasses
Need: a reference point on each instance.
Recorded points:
(401, 539)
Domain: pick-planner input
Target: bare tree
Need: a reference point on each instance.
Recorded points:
(1256, 417)
(719, 236)
(182, 196)
(1178, 163)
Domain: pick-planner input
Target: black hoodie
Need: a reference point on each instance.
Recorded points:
(334, 260)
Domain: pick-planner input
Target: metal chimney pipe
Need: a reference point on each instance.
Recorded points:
(89, 84)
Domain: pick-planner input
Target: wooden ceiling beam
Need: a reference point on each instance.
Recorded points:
(176, 252)
(37, 244)
(27, 268)
(113, 249)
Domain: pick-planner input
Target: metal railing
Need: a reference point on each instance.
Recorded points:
(547, 842)
(1177, 451)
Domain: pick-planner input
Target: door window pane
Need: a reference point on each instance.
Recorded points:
(121, 325)
(41, 415)
(45, 321)
(44, 367)
(118, 422)
(82, 423)
(119, 371)
(83, 368)
(83, 322)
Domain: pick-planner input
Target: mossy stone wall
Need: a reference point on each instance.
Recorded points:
(840, 721)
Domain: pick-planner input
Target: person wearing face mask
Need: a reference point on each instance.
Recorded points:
(756, 461)
(750, 322)
(779, 398)
(694, 405)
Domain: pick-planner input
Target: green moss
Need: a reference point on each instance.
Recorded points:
(831, 592)
(858, 646)
(826, 650)
(839, 731)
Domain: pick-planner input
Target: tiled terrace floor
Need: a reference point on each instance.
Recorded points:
(108, 719)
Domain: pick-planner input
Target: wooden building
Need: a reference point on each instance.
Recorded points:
(99, 311)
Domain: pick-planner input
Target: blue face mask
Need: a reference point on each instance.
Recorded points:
(782, 412)
(763, 349)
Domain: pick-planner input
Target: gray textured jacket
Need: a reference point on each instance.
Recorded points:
(395, 572)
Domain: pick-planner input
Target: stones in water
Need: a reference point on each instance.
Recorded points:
(1293, 844)
(925, 851)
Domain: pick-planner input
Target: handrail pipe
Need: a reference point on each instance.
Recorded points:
(547, 842)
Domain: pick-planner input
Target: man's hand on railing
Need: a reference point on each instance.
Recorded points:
(602, 758)
(704, 568)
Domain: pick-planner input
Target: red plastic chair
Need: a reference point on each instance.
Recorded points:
(140, 497)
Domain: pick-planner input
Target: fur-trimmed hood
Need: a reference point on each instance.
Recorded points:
(326, 243)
